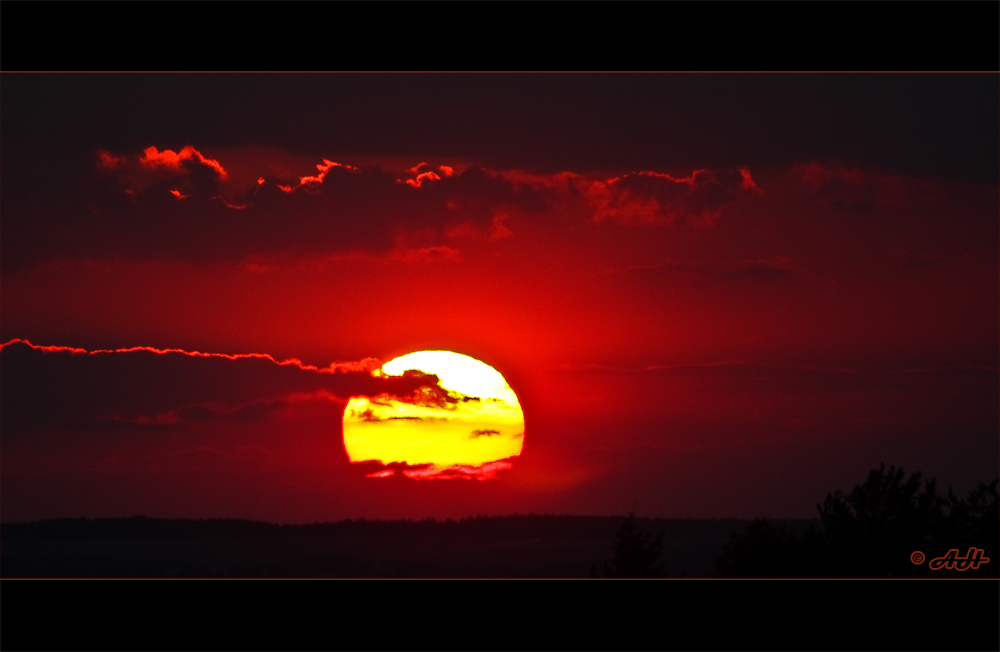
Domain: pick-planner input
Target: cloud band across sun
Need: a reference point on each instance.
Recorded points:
(470, 421)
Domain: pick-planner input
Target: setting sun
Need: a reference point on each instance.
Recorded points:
(470, 419)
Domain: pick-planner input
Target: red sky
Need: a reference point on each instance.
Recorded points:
(715, 296)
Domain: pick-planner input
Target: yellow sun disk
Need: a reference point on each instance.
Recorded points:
(482, 423)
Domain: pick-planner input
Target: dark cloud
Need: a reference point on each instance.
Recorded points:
(483, 433)
(655, 198)
(486, 471)
(858, 190)
(777, 268)
(155, 204)
(51, 390)
(180, 173)
(401, 470)
(170, 205)
(197, 413)
(920, 123)
(915, 259)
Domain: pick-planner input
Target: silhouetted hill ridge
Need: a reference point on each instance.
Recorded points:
(524, 524)
(519, 545)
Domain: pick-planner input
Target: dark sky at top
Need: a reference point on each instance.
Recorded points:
(936, 125)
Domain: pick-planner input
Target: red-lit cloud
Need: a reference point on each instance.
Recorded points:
(423, 175)
(182, 174)
(368, 364)
(345, 209)
(748, 183)
(154, 159)
(313, 180)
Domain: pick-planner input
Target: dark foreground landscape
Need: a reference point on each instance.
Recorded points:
(891, 525)
(508, 546)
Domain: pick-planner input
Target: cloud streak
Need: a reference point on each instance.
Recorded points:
(776, 268)
(58, 388)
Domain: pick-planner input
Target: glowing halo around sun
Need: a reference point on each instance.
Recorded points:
(468, 426)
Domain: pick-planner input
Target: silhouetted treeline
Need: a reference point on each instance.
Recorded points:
(496, 546)
(888, 526)
(872, 531)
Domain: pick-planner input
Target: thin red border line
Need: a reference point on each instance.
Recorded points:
(555, 579)
(501, 72)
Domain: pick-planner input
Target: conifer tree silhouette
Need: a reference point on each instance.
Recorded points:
(871, 531)
(635, 553)
(976, 520)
